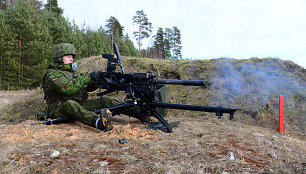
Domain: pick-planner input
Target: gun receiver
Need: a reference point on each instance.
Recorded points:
(141, 90)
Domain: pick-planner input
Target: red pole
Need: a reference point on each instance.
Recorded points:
(281, 114)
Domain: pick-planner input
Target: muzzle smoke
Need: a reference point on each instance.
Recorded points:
(251, 84)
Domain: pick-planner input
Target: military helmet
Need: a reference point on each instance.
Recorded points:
(63, 49)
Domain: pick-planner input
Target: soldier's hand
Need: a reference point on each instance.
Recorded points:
(95, 75)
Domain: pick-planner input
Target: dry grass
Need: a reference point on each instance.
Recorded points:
(21, 105)
(7, 97)
(199, 145)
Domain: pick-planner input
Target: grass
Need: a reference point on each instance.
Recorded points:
(230, 83)
(200, 145)
(21, 107)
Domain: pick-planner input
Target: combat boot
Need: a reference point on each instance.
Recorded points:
(106, 117)
(104, 121)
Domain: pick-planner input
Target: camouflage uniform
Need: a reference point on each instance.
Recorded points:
(66, 90)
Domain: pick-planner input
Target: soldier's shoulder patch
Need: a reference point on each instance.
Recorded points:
(58, 82)
(55, 78)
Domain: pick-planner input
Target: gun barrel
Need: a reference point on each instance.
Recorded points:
(192, 107)
(119, 58)
(181, 82)
(218, 110)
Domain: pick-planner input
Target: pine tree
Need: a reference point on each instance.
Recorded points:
(114, 30)
(78, 40)
(52, 5)
(159, 42)
(167, 42)
(144, 27)
(33, 41)
(132, 50)
(168, 37)
(103, 40)
(28, 34)
(176, 43)
(41, 47)
(59, 28)
(8, 57)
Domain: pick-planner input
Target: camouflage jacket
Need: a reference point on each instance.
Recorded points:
(62, 83)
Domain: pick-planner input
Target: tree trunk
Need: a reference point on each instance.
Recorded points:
(159, 52)
(20, 61)
(139, 39)
(1, 63)
(173, 53)
(113, 35)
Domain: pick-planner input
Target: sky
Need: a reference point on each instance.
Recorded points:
(238, 29)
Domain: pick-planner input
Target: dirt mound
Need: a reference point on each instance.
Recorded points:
(202, 144)
(253, 85)
(199, 145)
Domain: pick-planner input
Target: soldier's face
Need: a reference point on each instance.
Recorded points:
(68, 59)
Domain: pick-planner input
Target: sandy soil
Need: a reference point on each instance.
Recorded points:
(7, 97)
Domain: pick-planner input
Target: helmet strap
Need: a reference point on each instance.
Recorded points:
(59, 60)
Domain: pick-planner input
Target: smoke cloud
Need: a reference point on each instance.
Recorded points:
(251, 84)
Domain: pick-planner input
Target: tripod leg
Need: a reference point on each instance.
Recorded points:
(159, 117)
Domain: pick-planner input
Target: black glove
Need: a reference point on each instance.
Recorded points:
(95, 75)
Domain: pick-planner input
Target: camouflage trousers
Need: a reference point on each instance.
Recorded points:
(81, 110)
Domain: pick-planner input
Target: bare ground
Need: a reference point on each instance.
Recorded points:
(7, 97)
(199, 145)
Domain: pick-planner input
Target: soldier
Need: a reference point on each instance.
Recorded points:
(66, 92)
(66, 89)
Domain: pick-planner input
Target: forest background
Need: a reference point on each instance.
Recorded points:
(29, 30)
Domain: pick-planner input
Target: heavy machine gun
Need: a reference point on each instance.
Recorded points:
(142, 89)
